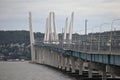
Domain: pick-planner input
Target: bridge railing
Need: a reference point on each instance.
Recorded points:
(109, 59)
(96, 43)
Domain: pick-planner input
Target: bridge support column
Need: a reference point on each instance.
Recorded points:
(73, 64)
(67, 64)
(63, 62)
(46, 56)
(37, 52)
(52, 54)
(97, 66)
(39, 55)
(49, 57)
(52, 58)
(42, 52)
(55, 59)
(113, 70)
(59, 60)
(89, 70)
(56, 56)
(104, 76)
(43, 56)
(80, 66)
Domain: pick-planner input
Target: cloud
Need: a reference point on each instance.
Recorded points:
(15, 12)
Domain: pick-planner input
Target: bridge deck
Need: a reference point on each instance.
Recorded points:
(98, 57)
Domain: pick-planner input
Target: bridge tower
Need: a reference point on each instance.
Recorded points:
(51, 35)
(46, 36)
(31, 38)
(65, 31)
(71, 28)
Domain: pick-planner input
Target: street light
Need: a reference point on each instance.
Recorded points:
(80, 40)
(86, 21)
(91, 39)
(99, 39)
(99, 36)
(110, 48)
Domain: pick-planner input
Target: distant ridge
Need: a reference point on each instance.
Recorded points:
(16, 36)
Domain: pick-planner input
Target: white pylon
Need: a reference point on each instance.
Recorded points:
(65, 31)
(31, 38)
(55, 35)
(45, 35)
(50, 29)
(51, 35)
(71, 28)
(47, 32)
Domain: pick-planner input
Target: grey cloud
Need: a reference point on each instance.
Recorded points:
(15, 12)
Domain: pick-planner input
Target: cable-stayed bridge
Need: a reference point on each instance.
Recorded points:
(94, 52)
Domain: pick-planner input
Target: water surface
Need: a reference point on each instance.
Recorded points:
(28, 71)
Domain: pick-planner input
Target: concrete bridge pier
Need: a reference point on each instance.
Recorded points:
(37, 54)
(41, 54)
(47, 56)
(39, 51)
(80, 66)
(97, 66)
(55, 59)
(63, 62)
(67, 63)
(73, 64)
(89, 70)
(52, 58)
(60, 61)
(104, 75)
(44, 57)
(113, 70)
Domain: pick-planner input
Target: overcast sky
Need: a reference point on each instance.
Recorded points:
(14, 13)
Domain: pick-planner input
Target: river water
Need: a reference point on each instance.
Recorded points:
(28, 71)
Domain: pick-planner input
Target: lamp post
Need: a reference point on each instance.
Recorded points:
(85, 48)
(99, 38)
(91, 40)
(81, 47)
(110, 48)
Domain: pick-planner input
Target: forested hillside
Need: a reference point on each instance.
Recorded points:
(16, 44)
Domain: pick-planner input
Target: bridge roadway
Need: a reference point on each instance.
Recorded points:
(67, 58)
